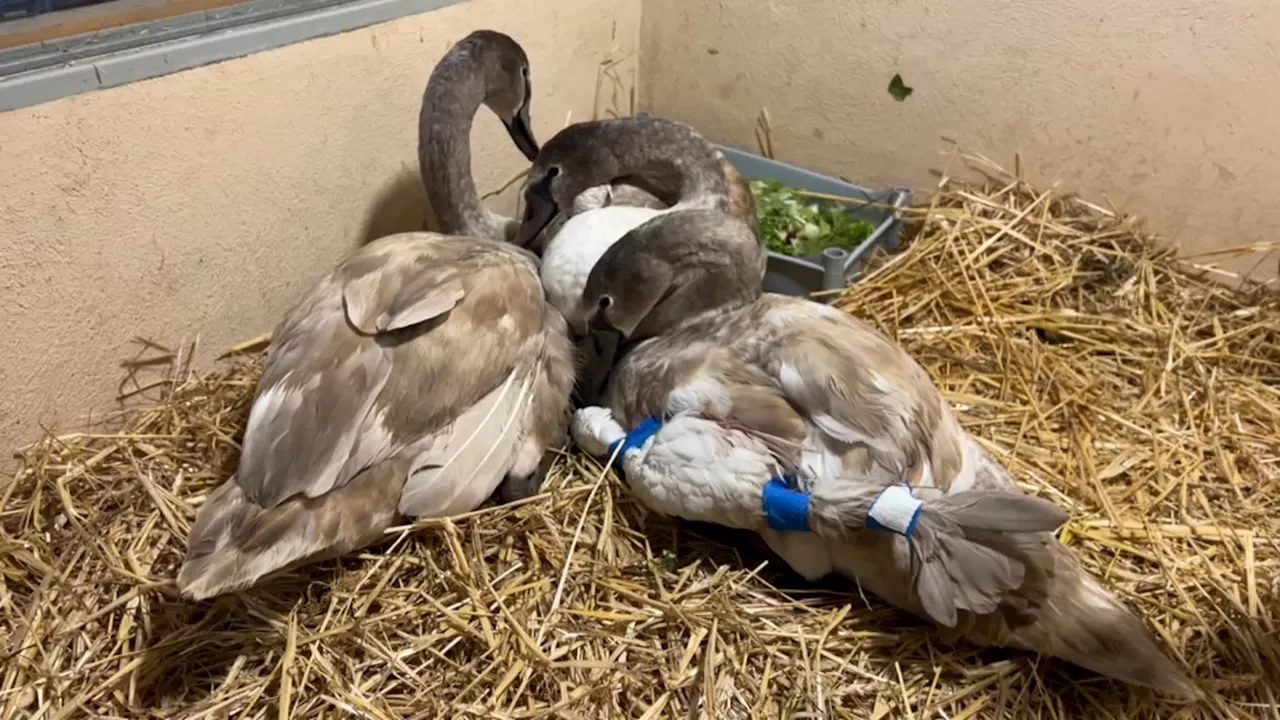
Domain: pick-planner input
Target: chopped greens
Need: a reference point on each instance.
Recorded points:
(800, 227)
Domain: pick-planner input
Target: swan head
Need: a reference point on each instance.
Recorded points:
(659, 276)
(665, 158)
(504, 70)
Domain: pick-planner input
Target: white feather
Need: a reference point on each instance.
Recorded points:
(696, 469)
(790, 379)
(267, 404)
(593, 198)
(971, 459)
(582, 240)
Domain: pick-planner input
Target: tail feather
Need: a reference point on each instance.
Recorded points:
(999, 510)
(1057, 609)
(978, 548)
(1035, 552)
(235, 544)
(972, 552)
(223, 517)
(1084, 623)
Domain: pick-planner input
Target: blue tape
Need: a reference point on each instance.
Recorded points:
(786, 509)
(911, 526)
(635, 439)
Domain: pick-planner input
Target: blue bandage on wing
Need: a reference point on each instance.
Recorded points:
(635, 439)
(784, 508)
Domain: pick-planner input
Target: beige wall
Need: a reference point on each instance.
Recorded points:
(205, 201)
(1171, 108)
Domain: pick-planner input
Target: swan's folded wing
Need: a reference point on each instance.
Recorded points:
(467, 459)
(314, 423)
(312, 404)
(858, 387)
(375, 306)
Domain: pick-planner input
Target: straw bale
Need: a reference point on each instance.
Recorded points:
(1140, 396)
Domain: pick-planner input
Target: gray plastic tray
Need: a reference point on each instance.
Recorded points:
(832, 268)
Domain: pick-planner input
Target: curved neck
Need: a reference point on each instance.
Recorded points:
(453, 96)
(683, 182)
(666, 158)
(698, 296)
(711, 260)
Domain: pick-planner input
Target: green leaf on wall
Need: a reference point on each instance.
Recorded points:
(898, 89)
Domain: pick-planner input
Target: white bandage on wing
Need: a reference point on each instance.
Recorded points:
(895, 510)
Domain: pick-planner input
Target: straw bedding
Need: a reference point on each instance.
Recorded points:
(1142, 398)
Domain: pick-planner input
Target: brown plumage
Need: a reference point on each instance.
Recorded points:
(413, 380)
(837, 402)
(408, 383)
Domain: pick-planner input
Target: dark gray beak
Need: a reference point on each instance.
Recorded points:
(601, 348)
(521, 131)
(538, 212)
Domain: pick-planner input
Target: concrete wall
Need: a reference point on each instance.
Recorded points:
(205, 201)
(1169, 108)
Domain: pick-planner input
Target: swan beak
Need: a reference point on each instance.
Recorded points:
(520, 128)
(604, 344)
(537, 214)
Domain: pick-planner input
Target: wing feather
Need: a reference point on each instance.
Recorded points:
(469, 458)
(334, 397)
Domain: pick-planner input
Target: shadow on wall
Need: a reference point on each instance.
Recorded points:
(401, 207)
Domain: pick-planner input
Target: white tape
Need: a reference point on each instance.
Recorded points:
(895, 509)
(594, 429)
